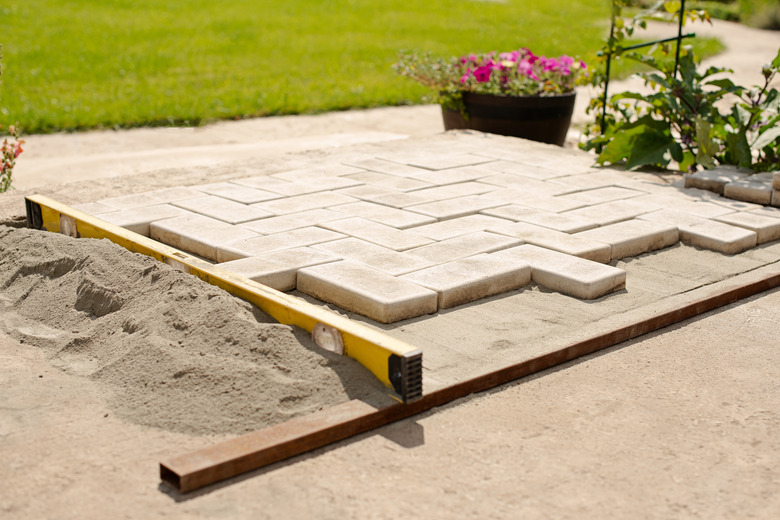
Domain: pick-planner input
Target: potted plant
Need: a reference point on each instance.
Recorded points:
(513, 93)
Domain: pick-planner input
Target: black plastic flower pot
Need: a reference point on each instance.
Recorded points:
(539, 118)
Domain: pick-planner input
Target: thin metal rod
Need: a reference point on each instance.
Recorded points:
(648, 44)
(679, 38)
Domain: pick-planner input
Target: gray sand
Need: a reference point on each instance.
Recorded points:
(171, 351)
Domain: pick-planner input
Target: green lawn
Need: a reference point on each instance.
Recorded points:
(76, 64)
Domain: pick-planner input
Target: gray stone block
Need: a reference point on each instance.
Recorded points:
(472, 278)
(371, 293)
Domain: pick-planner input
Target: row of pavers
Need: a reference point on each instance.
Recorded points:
(732, 183)
(403, 235)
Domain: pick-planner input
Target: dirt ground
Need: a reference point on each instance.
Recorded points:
(681, 423)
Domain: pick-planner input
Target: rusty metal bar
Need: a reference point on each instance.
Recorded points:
(256, 450)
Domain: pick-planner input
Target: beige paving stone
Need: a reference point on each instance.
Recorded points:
(278, 186)
(705, 233)
(717, 236)
(634, 237)
(776, 198)
(568, 274)
(151, 198)
(302, 187)
(451, 191)
(694, 201)
(464, 246)
(389, 181)
(527, 170)
(776, 180)
(382, 166)
(533, 200)
(436, 161)
(399, 200)
(600, 195)
(591, 180)
(459, 226)
(766, 228)
(237, 192)
(453, 175)
(713, 180)
(367, 192)
(556, 240)
(376, 233)
(265, 244)
(472, 278)
(326, 170)
(749, 191)
(454, 208)
(282, 223)
(374, 256)
(278, 269)
(525, 185)
(137, 220)
(319, 200)
(94, 208)
(371, 293)
(616, 211)
(767, 211)
(557, 221)
(197, 234)
(223, 209)
(386, 215)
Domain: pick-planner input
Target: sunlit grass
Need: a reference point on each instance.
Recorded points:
(77, 64)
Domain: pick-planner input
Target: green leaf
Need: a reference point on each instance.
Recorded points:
(767, 137)
(738, 150)
(672, 7)
(776, 61)
(650, 148)
(705, 146)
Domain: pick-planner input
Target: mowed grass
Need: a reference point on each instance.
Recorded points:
(79, 64)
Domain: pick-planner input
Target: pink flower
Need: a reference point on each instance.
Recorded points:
(482, 74)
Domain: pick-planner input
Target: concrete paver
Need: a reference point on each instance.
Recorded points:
(454, 208)
(223, 209)
(767, 228)
(706, 233)
(388, 216)
(464, 246)
(456, 227)
(472, 278)
(616, 211)
(568, 274)
(390, 181)
(265, 244)
(376, 233)
(574, 245)
(633, 237)
(368, 292)
(374, 256)
(138, 220)
(750, 191)
(319, 200)
(197, 234)
(237, 193)
(557, 221)
(278, 269)
(282, 223)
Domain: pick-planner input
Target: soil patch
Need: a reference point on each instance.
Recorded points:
(171, 351)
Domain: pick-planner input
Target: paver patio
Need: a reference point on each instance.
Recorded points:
(405, 232)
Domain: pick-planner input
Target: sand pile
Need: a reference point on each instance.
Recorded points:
(172, 351)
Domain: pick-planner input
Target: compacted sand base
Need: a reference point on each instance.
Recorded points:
(170, 350)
